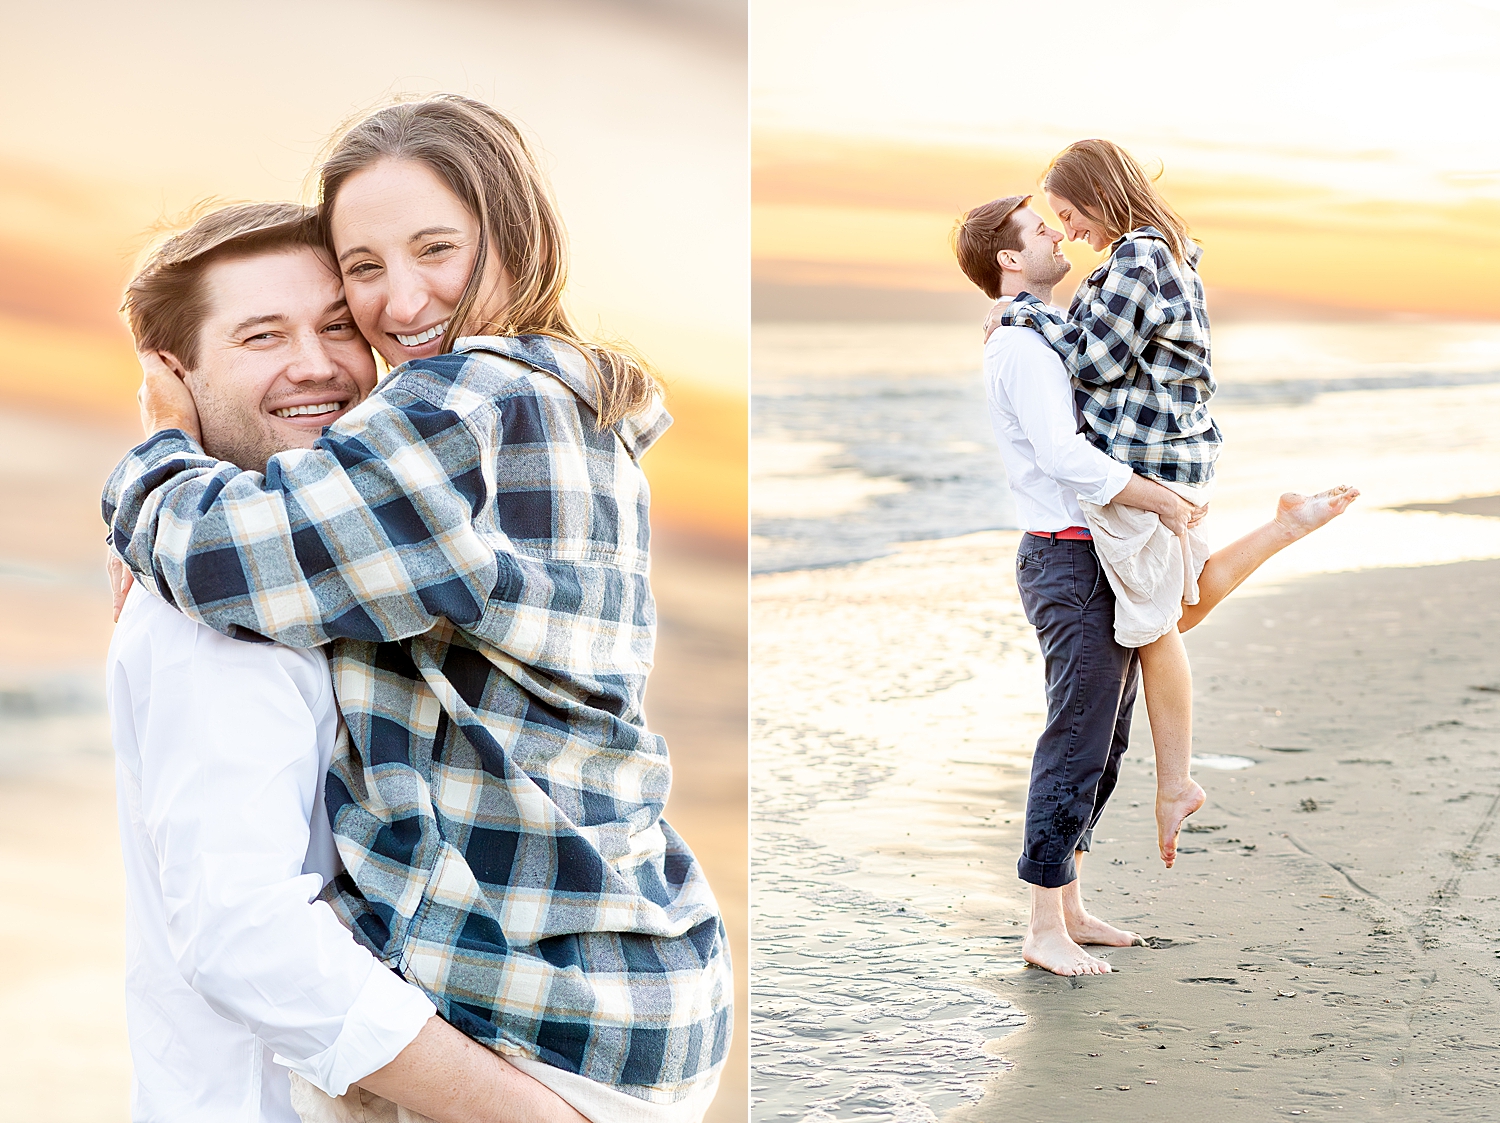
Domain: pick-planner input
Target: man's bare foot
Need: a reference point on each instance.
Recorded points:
(1089, 929)
(1171, 812)
(1300, 515)
(1053, 951)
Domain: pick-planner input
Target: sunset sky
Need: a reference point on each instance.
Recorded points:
(121, 115)
(1327, 152)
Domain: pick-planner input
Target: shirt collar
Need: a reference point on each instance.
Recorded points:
(1193, 253)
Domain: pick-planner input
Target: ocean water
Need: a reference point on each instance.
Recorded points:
(868, 435)
(879, 965)
(863, 436)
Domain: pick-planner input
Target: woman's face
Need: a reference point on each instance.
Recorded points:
(1078, 224)
(406, 246)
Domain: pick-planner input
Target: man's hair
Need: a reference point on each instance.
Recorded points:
(165, 302)
(1111, 187)
(981, 234)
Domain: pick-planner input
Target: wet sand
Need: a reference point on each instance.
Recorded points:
(1327, 944)
(1334, 928)
(62, 1017)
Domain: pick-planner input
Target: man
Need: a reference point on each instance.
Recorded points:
(222, 745)
(1005, 248)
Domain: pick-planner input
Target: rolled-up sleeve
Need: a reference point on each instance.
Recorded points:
(230, 776)
(1041, 395)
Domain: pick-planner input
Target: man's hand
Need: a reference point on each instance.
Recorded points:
(120, 580)
(165, 400)
(1175, 512)
(1178, 514)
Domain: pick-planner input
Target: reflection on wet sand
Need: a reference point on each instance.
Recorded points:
(885, 700)
(855, 1013)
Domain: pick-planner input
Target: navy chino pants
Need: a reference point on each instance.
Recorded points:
(1091, 686)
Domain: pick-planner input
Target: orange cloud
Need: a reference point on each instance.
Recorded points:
(876, 214)
(697, 470)
(791, 169)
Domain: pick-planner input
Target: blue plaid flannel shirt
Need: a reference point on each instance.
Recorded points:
(1135, 340)
(474, 552)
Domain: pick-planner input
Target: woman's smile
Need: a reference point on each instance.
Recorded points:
(422, 337)
(1080, 227)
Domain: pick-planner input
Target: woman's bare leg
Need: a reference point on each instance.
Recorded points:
(1167, 680)
(1166, 676)
(1296, 517)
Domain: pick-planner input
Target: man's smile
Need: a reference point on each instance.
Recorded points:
(316, 411)
(308, 411)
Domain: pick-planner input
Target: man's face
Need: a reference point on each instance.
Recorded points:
(279, 357)
(1040, 258)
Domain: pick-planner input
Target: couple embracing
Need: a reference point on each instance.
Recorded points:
(390, 809)
(1102, 418)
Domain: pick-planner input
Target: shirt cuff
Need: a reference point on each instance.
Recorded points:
(1114, 483)
(166, 443)
(385, 1018)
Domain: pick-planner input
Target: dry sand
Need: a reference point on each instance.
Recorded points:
(1328, 940)
(62, 1017)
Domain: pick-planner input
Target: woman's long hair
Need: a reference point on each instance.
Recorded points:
(1105, 180)
(483, 158)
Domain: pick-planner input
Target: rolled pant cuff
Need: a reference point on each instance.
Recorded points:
(1047, 875)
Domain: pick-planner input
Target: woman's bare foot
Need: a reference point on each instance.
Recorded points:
(1085, 928)
(1300, 515)
(1171, 812)
(1054, 951)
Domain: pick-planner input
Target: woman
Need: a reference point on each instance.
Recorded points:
(471, 542)
(1136, 343)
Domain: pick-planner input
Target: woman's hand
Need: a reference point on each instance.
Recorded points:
(120, 580)
(992, 321)
(164, 398)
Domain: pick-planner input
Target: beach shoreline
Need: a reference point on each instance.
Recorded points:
(1326, 943)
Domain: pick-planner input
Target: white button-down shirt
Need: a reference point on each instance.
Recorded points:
(1049, 462)
(220, 751)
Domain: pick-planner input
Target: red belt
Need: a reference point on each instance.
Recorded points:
(1072, 534)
